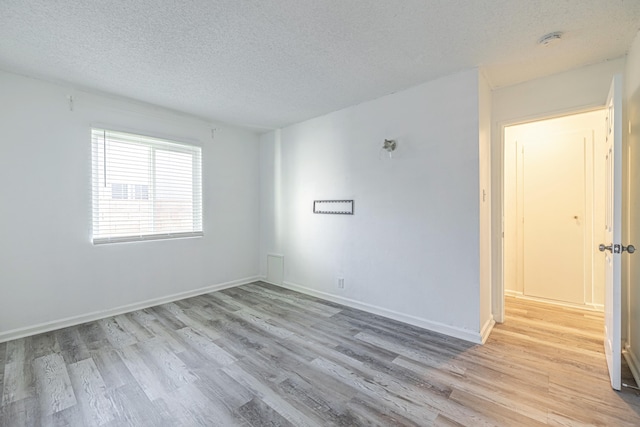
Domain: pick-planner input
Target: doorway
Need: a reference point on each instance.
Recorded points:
(553, 210)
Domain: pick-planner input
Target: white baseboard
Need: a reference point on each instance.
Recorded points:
(632, 361)
(512, 293)
(486, 329)
(96, 315)
(586, 306)
(464, 334)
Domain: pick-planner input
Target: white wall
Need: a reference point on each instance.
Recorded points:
(49, 269)
(485, 195)
(592, 123)
(572, 91)
(411, 251)
(632, 95)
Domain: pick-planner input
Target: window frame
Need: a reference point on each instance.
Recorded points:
(154, 143)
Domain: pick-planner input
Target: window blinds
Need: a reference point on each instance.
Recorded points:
(144, 188)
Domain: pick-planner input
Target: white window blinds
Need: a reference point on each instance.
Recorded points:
(144, 188)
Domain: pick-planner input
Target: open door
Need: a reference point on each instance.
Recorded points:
(612, 247)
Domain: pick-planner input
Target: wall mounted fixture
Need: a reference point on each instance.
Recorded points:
(389, 145)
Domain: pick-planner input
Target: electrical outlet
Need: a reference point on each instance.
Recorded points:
(340, 282)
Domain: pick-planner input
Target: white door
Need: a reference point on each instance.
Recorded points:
(553, 201)
(612, 247)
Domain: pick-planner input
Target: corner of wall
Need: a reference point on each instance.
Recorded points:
(485, 197)
(269, 176)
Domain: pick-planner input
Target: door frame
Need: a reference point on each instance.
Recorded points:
(497, 291)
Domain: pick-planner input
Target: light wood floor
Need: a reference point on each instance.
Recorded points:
(259, 355)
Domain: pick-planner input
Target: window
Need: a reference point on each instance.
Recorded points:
(144, 188)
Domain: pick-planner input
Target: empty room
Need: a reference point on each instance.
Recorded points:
(316, 213)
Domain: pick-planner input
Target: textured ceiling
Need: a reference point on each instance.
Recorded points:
(268, 63)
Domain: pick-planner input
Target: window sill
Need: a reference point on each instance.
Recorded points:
(144, 238)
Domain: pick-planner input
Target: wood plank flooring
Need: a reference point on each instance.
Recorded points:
(258, 355)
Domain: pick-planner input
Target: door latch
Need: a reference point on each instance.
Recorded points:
(616, 249)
